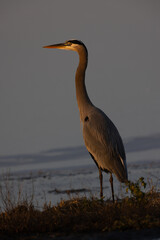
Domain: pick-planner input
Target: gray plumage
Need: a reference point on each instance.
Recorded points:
(100, 135)
(104, 143)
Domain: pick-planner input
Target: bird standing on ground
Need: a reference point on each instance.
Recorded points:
(101, 137)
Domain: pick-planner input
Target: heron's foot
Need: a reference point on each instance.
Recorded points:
(111, 182)
(101, 194)
(102, 198)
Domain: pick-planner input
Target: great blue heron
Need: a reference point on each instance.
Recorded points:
(101, 137)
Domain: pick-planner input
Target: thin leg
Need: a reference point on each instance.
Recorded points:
(111, 181)
(101, 182)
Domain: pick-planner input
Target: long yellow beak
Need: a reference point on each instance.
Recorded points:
(59, 46)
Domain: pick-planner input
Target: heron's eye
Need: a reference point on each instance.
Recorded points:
(68, 44)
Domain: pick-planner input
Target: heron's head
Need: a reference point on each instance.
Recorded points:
(74, 45)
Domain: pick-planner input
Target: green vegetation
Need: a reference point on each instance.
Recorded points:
(140, 210)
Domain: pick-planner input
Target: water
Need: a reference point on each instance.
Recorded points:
(58, 174)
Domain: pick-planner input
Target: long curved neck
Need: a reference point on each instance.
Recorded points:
(81, 92)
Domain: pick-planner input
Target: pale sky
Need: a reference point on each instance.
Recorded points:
(37, 91)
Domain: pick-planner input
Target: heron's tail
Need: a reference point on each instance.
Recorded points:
(120, 170)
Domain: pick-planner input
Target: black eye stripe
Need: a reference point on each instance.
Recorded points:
(68, 43)
(76, 42)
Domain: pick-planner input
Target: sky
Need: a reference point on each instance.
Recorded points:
(37, 89)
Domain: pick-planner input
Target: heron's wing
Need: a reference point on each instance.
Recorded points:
(104, 142)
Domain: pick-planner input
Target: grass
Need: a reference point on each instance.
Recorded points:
(140, 210)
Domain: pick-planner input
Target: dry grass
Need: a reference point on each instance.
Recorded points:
(141, 210)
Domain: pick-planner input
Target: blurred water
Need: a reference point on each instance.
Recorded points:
(50, 175)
